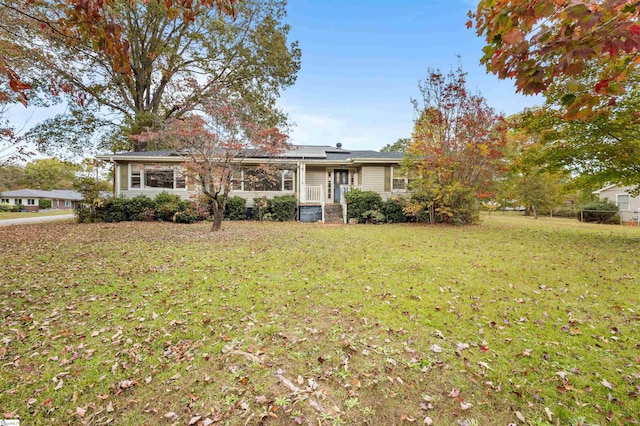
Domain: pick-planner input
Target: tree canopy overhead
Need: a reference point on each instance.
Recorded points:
(176, 53)
(536, 42)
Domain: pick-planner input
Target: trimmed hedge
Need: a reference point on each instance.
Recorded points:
(139, 208)
(44, 203)
(283, 208)
(235, 208)
(4, 207)
(359, 202)
(392, 209)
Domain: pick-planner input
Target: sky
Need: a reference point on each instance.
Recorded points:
(361, 64)
(362, 61)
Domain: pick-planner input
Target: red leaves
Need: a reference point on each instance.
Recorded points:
(601, 86)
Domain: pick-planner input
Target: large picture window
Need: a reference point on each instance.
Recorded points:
(256, 179)
(157, 176)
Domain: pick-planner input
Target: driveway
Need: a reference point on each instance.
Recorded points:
(40, 219)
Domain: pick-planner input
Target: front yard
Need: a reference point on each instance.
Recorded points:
(512, 321)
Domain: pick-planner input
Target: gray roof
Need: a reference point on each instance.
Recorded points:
(60, 194)
(311, 152)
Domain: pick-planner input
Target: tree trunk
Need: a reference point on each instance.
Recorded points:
(218, 214)
(535, 212)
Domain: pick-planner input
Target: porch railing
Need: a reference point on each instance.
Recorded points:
(313, 194)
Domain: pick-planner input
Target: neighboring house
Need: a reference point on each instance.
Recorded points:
(316, 175)
(628, 206)
(29, 198)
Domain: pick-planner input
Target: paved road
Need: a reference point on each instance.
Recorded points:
(38, 219)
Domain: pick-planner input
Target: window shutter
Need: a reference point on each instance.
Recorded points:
(387, 179)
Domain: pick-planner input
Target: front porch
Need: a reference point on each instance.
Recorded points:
(312, 205)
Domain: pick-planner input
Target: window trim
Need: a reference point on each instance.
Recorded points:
(280, 186)
(178, 175)
(628, 202)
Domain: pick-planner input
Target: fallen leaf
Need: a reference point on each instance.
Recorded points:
(465, 405)
(194, 420)
(110, 407)
(80, 411)
(520, 416)
(435, 348)
(170, 415)
(455, 393)
(428, 421)
(548, 413)
(606, 384)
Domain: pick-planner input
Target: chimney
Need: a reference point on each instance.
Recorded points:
(339, 145)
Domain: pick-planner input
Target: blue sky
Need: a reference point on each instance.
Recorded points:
(362, 60)
(361, 63)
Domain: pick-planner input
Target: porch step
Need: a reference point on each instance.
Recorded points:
(333, 213)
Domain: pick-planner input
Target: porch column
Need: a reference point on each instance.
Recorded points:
(302, 187)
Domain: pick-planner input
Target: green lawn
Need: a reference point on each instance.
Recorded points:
(20, 215)
(513, 321)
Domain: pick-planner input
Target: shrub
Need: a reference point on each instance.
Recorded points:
(359, 202)
(166, 198)
(373, 216)
(44, 203)
(86, 213)
(392, 209)
(4, 207)
(167, 211)
(122, 209)
(184, 217)
(235, 208)
(148, 215)
(598, 211)
(458, 205)
(260, 207)
(282, 208)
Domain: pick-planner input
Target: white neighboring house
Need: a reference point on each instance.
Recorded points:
(629, 206)
(29, 199)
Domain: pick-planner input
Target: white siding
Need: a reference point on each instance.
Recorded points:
(634, 202)
(152, 192)
(250, 195)
(373, 180)
(316, 176)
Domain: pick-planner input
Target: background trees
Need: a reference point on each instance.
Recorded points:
(456, 148)
(175, 53)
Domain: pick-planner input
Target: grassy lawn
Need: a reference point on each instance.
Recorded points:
(22, 215)
(512, 321)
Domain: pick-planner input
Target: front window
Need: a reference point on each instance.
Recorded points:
(67, 203)
(398, 179)
(5, 201)
(257, 179)
(31, 201)
(623, 201)
(157, 176)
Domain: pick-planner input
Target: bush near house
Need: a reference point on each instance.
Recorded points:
(168, 207)
(598, 211)
(392, 209)
(359, 202)
(283, 207)
(44, 203)
(236, 208)
(4, 207)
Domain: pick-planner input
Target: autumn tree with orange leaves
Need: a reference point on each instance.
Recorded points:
(541, 42)
(456, 149)
(216, 142)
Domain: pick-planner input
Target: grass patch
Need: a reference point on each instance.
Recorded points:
(156, 323)
(22, 215)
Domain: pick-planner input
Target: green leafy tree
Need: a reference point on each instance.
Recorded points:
(401, 145)
(11, 177)
(49, 173)
(543, 42)
(173, 63)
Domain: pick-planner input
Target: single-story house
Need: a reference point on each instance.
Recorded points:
(29, 199)
(317, 175)
(628, 205)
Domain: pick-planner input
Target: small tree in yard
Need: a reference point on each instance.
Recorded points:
(215, 142)
(456, 149)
